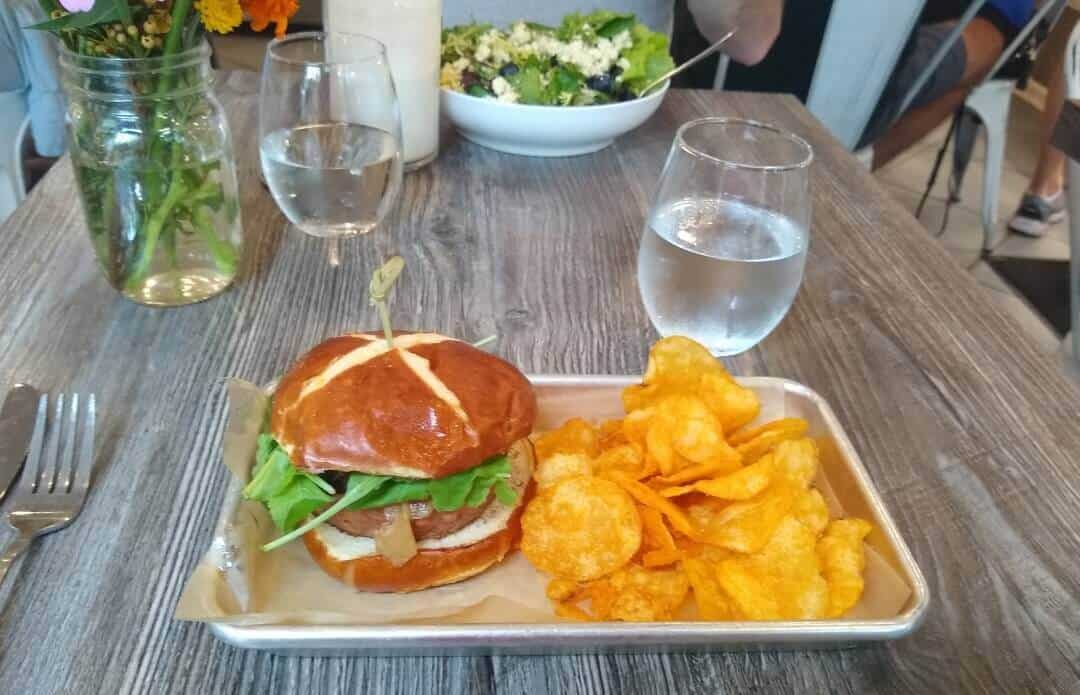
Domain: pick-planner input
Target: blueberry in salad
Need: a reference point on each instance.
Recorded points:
(596, 58)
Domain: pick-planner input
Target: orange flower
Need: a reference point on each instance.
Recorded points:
(262, 12)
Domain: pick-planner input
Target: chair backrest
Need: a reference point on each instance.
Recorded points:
(1072, 67)
(862, 44)
(12, 187)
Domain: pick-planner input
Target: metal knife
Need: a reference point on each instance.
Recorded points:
(16, 426)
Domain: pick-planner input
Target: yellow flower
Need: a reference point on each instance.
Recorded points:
(221, 16)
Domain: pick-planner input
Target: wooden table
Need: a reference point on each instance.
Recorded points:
(970, 434)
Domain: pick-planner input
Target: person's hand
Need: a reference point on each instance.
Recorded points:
(757, 23)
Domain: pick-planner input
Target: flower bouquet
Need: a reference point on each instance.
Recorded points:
(149, 141)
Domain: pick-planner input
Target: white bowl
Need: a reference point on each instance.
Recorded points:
(546, 131)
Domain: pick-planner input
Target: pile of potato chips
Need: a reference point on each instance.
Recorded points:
(681, 496)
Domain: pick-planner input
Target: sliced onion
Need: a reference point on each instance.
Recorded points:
(395, 541)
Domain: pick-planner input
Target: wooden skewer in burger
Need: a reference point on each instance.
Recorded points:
(402, 460)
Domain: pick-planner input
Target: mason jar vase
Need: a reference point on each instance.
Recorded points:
(153, 160)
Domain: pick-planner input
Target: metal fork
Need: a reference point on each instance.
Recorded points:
(56, 478)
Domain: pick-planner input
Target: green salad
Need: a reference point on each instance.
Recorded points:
(595, 58)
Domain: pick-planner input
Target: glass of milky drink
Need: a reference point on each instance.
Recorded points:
(724, 245)
(411, 31)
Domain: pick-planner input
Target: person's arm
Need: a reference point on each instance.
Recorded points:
(757, 21)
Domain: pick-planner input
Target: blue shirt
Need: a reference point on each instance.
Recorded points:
(1018, 12)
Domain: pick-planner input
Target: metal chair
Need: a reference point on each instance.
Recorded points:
(990, 103)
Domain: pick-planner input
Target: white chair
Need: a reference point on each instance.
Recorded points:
(990, 102)
(12, 137)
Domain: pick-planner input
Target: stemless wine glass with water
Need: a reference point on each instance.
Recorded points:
(724, 246)
(330, 133)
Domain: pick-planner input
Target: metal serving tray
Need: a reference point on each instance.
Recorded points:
(842, 467)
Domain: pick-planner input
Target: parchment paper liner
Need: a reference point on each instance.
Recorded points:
(237, 583)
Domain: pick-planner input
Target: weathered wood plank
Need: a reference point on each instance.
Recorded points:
(970, 434)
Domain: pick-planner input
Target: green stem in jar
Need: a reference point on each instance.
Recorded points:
(176, 188)
(153, 230)
(223, 252)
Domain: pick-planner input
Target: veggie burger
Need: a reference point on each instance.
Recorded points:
(401, 468)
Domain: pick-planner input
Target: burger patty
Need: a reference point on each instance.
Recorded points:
(426, 521)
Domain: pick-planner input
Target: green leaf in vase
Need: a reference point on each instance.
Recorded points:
(103, 12)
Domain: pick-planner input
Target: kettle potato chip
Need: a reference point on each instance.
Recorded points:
(842, 562)
(557, 467)
(580, 528)
(747, 526)
(797, 461)
(681, 497)
(646, 594)
(811, 510)
(626, 458)
(740, 485)
(610, 433)
(576, 436)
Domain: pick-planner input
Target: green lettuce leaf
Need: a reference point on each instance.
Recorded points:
(573, 25)
(648, 57)
(529, 85)
(296, 503)
(615, 26)
(292, 496)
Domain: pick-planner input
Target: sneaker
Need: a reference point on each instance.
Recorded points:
(1036, 214)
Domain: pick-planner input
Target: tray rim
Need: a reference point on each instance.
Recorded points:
(469, 638)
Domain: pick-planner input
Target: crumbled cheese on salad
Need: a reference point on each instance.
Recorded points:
(588, 59)
(503, 90)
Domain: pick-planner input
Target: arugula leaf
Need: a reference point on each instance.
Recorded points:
(296, 503)
(393, 491)
(264, 445)
(271, 478)
(324, 515)
(292, 496)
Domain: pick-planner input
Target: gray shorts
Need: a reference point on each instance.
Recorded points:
(913, 61)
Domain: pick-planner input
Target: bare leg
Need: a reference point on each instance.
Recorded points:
(1049, 176)
(983, 44)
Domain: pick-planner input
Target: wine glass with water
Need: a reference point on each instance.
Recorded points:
(722, 254)
(330, 133)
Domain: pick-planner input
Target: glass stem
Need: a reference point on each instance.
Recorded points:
(333, 251)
